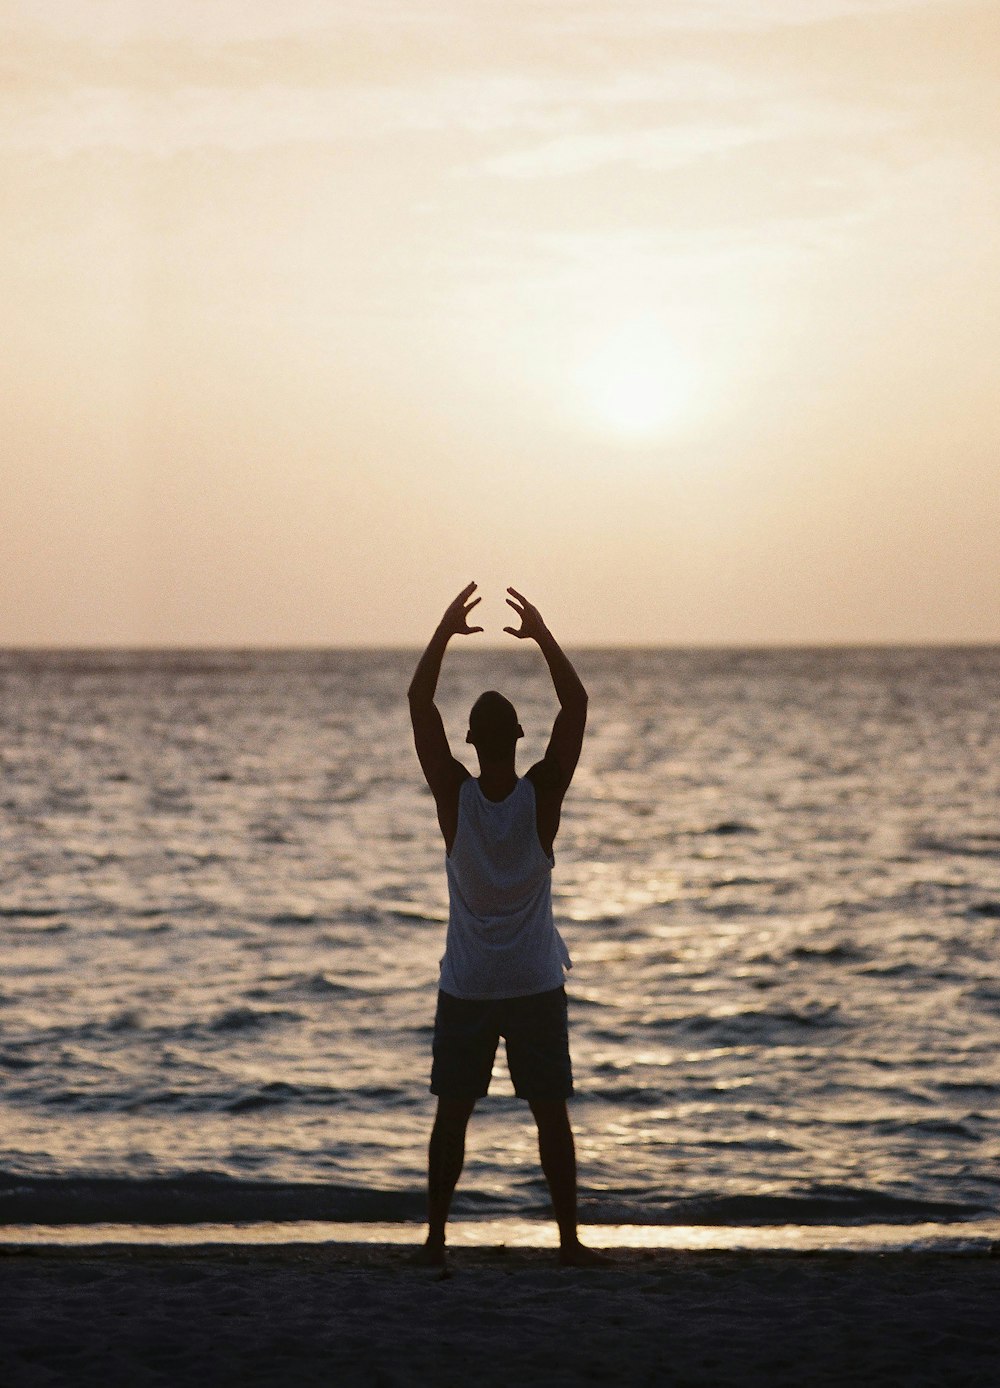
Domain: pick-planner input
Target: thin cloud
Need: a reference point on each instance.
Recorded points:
(673, 114)
(115, 22)
(159, 124)
(685, 141)
(659, 148)
(118, 22)
(732, 16)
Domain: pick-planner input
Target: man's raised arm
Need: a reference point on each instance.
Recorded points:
(429, 735)
(563, 751)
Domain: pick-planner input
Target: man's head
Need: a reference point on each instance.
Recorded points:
(493, 727)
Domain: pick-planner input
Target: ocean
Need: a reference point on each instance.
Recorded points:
(222, 905)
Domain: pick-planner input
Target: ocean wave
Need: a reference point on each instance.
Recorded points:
(244, 1019)
(208, 1197)
(315, 985)
(406, 911)
(275, 1095)
(765, 1025)
(987, 992)
(272, 832)
(817, 1205)
(973, 844)
(349, 794)
(196, 1198)
(621, 1095)
(742, 880)
(11, 1061)
(581, 1002)
(903, 969)
(292, 918)
(915, 1128)
(745, 1144)
(33, 912)
(99, 1029)
(839, 952)
(134, 1020)
(164, 1099)
(939, 1127)
(131, 1019)
(279, 1093)
(836, 952)
(33, 926)
(195, 906)
(359, 915)
(983, 1087)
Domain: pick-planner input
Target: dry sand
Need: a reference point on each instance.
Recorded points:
(343, 1314)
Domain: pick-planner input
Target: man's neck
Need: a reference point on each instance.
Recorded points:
(497, 779)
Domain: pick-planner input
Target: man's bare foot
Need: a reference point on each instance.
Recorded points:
(577, 1255)
(429, 1255)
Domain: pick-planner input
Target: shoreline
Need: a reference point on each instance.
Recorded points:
(971, 1237)
(351, 1313)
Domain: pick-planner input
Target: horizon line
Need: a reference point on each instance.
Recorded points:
(208, 648)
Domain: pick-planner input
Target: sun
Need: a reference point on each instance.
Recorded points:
(637, 382)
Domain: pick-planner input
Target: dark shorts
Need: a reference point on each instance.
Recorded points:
(468, 1030)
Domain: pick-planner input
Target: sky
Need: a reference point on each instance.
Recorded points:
(681, 316)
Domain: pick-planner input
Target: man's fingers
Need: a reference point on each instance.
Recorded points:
(517, 595)
(467, 590)
(471, 630)
(473, 603)
(513, 604)
(512, 631)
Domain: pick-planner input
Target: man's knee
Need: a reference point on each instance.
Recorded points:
(551, 1115)
(453, 1114)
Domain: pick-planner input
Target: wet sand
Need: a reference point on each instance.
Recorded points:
(336, 1314)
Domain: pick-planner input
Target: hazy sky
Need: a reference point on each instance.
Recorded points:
(681, 316)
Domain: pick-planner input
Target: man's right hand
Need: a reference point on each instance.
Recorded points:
(455, 621)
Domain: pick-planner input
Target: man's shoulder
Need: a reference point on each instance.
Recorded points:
(453, 777)
(547, 778)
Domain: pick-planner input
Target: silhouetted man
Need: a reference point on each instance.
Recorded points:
(504, 963)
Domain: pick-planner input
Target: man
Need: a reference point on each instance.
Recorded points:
(503, 968)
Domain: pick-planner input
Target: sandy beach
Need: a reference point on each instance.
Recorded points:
(355, 1314)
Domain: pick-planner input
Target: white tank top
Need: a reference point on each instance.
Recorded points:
(502, 941)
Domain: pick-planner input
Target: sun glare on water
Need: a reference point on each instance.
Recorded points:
(637, 382)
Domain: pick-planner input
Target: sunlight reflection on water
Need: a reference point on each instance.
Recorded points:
(516, 1233)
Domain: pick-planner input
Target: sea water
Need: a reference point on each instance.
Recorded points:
(222, 905)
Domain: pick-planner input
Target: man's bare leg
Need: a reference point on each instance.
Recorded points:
(446, 1156)
(558, 1155)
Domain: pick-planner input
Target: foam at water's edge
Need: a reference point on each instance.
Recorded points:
(982, 1239)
